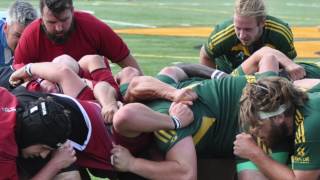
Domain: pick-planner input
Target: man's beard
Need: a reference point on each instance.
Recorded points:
(277, 135)
(58, 39)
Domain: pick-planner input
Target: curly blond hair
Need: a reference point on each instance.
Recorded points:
(267, 95)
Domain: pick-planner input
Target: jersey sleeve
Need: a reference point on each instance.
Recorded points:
(307, 141)
(282, 37)
(215, 44)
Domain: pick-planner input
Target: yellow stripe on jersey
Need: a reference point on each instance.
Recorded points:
(220, 36)
(282, 26)
(276, 30)
(191, 86)
(263, 146)
(226, 36)
(300, 134)
(158, 136)
(235, 73)
(166, 136)
(206, 123)
(251, 79)
(240, 47)
(270, 45)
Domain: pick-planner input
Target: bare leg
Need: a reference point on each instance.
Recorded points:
(135, 118)
(98, 70)
(175, 73)
(92, 62)
(126, 75)
(69, 61)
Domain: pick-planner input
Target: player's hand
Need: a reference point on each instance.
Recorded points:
(185, 95)
(109, 110)
(182, 112)
(245, 146)
(18, 77)
(121, 158)
(64, 156)
(295, 71)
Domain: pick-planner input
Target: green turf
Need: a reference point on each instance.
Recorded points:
(154, 52)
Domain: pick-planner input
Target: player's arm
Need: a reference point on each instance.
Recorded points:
(200, 70)
(253, 63)
(107, 97)
(131, 62)
(205, 59)
(61, 158)
(61, 74)
(245, 147)
(306, 83)
(180, 162)
(147, 88)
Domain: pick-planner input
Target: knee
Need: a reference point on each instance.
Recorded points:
(122, 117)
(62, 58)
(67, 61)
(127, 74)
(91, 57)
(174, 72)
(169, 70)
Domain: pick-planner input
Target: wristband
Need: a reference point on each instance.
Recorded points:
(27, 70)
(176, 121)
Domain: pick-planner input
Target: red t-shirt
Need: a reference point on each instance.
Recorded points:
(90, 36)
(8, 146)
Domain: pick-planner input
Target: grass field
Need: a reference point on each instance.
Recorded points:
(156, 51)
(153, 51)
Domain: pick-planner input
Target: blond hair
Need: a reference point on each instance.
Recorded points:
(267, 95)
(251, 8)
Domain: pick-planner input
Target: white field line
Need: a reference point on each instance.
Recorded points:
(168, 57)
(121, 22)
(311, 5)
(128, 24)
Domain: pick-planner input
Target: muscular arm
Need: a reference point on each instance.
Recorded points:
(107, 97)
(275, 170)
(252, 64)
(61, 158)
(130, 61)
(205, 59)
(196, 70)
(180, 163)
(148, 88)
(68, 80)
(245, 147)
(306, 83)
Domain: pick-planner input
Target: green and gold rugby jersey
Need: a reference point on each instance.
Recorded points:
(215, 116)
(307, 135)
(226, 50)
